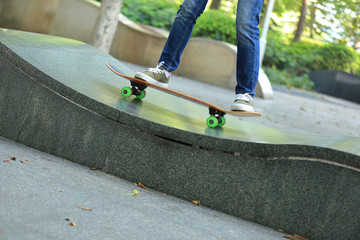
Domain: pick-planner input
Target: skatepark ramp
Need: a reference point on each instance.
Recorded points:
(58, 96)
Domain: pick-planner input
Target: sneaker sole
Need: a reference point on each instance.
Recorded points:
(150, 79)
(237, 107)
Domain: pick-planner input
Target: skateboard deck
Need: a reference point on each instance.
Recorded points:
(217, 114)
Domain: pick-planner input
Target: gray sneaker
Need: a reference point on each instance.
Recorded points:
(158, 75)
(243, 102)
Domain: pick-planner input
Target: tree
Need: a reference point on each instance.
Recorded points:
(349, 18)
(302, 20)
(338, 19)
(106, 24)
(312, 19)
(282, 6)
(215, 4)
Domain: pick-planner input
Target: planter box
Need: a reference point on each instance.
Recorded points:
(337, 84)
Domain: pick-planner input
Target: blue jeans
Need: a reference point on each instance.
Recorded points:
(248, 49)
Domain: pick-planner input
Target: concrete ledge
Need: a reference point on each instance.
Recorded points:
(52, 101)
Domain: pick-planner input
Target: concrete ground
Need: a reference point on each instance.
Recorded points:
(46, 197)
(291, 110)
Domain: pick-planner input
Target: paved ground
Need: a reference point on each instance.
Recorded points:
(40, 195)
(291, 110)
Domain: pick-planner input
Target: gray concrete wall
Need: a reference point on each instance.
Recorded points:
(34, 16)
(205, 60)
(74, 19)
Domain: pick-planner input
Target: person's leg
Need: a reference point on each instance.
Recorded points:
(179, 36)
(180, 32)
(247, 21)
(248, 51)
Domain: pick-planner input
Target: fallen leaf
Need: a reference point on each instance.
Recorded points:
(28, 160)
(135, 192)
(84, 208)
(106, 226)
(6, 161)
(219, 237)
(72, 224)
(279, 230)
(13, 158)
(141, 185)
(67, 219)
(295, 237)
(21, 161)
(61, 191)
(196, 202)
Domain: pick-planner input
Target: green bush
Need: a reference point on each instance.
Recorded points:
(159, 13)
(283, 77)
(284, 54)
(216, 24)
(306, 56)
(337, 57)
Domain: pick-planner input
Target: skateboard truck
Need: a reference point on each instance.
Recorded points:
(136, 89)
(216, 118)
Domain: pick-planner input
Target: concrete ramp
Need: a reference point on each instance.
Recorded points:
(58, 96)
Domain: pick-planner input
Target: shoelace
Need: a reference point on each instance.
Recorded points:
(245, 97)
(157, 70)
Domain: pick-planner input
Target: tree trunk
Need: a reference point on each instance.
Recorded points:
(312, 15)
(215, 4)
(106, 24)
(301, 23)
(265, 6)
(357, 34)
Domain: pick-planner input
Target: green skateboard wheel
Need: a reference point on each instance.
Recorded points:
(126, 92)
(141, 95)
(221, 121)
(212, 121)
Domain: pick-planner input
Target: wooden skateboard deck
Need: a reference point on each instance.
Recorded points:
(216, 113)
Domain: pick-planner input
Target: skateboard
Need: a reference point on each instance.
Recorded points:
(217, 114)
